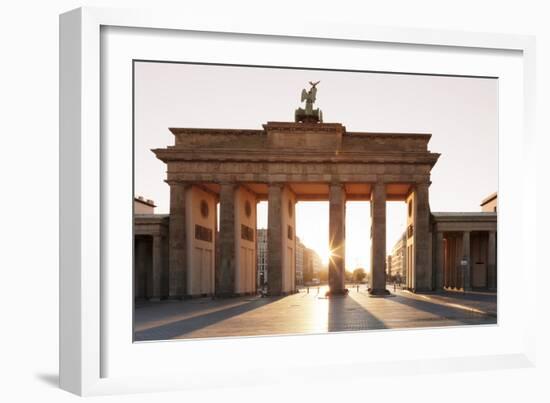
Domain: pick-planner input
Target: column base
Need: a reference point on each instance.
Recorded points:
(154, 299)
(334, 293)
(379, 293)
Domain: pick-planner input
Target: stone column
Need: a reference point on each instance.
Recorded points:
(337, 235)
(451, 260)
(440, 261)
(274, 239)
(378, 241)
(177, 258)
(154, 283)
(422, 269)
(225, 271)
(140, 269)
(492, 261)
(256, 253)
(458, 268)
(466, 255)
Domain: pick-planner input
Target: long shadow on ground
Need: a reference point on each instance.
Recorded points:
(344, 313)
(446, 312)
(179, 328)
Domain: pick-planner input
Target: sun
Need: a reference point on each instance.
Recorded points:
(326, 254)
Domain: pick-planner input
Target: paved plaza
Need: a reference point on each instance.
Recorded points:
(310, 312)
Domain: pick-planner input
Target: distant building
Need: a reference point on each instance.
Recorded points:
(312, 266)
(262, 256)
(489, 204)
(397, 259)
(300, 258)
(143, 206)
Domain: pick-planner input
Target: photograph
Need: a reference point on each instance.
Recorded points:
(271, 200)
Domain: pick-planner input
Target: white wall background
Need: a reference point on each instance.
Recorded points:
(29, 127)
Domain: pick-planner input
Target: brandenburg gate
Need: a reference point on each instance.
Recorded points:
(283, 163)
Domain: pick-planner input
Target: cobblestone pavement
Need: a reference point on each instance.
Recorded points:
(309, 313)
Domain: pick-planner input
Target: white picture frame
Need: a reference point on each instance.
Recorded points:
(93, 350)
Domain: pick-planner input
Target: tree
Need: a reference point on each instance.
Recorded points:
(359, 275)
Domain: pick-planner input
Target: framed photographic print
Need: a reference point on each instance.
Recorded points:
(235, 197)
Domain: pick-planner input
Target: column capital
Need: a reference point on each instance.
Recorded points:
(176, 183)
(280, 185)
(423, 182)
(378, 189)
(227, 183)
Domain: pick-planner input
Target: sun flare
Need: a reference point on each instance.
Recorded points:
(326, 255)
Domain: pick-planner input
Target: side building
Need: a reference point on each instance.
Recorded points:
(262, 257)
(301, 259)
(313, 266)
(464, 250)
(150, 251)
(489, 204)
(397, 269)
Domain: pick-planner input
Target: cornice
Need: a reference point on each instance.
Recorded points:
(292, 155)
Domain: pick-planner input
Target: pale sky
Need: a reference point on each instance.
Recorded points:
(460, 113)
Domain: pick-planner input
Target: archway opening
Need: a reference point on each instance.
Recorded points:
(312, 243)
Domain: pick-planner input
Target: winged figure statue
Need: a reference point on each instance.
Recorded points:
(309, 114)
